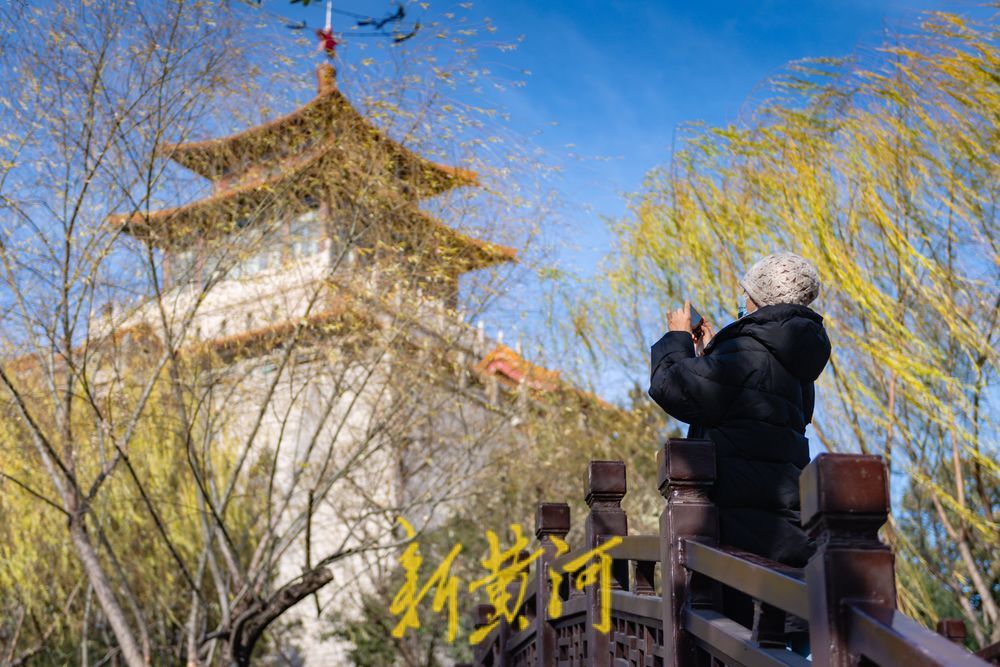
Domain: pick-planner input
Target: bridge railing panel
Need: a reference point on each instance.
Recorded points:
(846, 592)
(851, 578)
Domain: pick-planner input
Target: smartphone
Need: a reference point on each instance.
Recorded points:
(696, 321)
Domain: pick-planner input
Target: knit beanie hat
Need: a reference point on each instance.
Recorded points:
(782, 278)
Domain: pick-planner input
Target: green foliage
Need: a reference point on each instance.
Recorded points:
(368, 628)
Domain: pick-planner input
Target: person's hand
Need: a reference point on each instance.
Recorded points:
(680, 319)
(704, 337)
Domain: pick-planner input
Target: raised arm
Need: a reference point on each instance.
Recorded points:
(690, 388)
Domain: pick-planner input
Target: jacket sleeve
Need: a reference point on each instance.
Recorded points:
(808, 400)
(689, 388)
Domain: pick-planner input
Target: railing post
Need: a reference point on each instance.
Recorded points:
(605, 490)
(768, 626)
(686, 474)
(953, 629)
(845, 500)
(644, 573)
(551, 520)
(481, 618)
(503, 627)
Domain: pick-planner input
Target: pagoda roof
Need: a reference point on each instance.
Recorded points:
(513, 369)
(310, 175)
(327, 116)
(340, 315)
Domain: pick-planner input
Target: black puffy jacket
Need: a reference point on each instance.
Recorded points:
(752, 395)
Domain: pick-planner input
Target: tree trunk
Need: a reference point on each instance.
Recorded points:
(131, 652)
(249, 625)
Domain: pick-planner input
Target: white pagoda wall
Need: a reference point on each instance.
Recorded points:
(293, 416)
(458, 431)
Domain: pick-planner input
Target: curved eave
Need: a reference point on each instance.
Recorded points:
(217, 215)
(178, 226)
(341, 316)
(223, 157)
(475, 253)
(511, 369)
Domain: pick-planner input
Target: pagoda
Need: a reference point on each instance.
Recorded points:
(319, 184)
(322, 202)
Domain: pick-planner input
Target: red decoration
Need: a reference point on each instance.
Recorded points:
(327, 42)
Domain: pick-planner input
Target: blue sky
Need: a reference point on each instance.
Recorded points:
(620, 77)
(611, 81)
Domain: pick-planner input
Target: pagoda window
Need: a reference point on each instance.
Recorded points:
(305, 235)
(249, 266)
(258, 262)
(183, 266)
(311, 142)
(251, 250)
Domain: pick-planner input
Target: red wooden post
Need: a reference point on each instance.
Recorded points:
(644, 573)
(605, 490)
(990, 654)
(481, 653)
(768, 626)
(552, 519)
(686, 474)
(845, 500)
(953, 629)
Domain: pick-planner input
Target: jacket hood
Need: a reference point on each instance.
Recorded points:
(794, 334)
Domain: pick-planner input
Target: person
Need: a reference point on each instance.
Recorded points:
(749, 389)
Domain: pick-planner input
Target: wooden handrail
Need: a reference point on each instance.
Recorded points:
(888, 637)
(560, 563)
(551, 520)
(642, 606)
(990, 654)
(728, 641)
(758, 577)
(632, 548)
(572, 607)
(846, 592)
(685, 478)
(606, 486)
(637, 548)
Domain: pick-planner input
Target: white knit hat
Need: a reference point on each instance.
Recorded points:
(782, 278)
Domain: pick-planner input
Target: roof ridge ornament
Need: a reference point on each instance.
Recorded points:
(326, 78)
(327, 42)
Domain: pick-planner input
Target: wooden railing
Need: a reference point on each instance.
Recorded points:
(666, 588)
